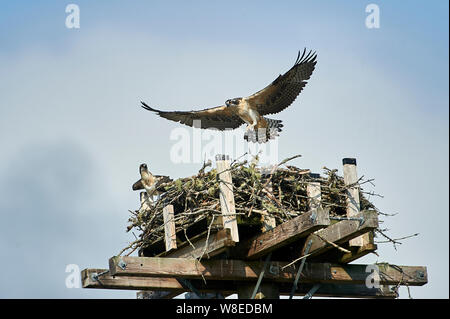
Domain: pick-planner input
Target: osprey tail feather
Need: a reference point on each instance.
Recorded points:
(262, 135)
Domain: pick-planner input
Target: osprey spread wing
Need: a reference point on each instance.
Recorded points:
(251, 110)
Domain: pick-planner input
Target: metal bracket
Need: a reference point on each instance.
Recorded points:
(122, 265)
(361, 219)
(95, 276)
(187, 284)
(312, 291)
(300, 269)
(313, 217)
(261, 275)
(274, 269)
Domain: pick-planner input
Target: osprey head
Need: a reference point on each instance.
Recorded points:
(233, 102)
(143, 167)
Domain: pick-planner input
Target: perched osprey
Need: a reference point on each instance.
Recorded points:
(251, 110)
(150, 182)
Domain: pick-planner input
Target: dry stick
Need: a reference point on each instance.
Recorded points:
(396, 240)
(187, 238)
(293, 262)
(207, 239)
(130, 246)
(333, 244)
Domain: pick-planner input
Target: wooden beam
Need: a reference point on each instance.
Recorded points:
(341, 232)
(107, 281)
(358, 274)
(149, 294)
(221, 269)
(284, 234)
(353, 204)
(314, 194)
(214, 245)
(341, 291)
(227, 204)
(225, 287)
(357, 253)
(170, 237)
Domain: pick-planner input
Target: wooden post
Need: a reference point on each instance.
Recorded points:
(226, 196)
(353, 207)
(314, 193)
(170, 237)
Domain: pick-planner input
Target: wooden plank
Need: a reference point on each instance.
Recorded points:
(221, 269)
(341, 232)
(214, 245)
(353, 205)
(342, 291)
(358, 253)
(358, 274)
(225, 287)
(227, 204)
(107, 281)
(284, 234)
(150, 294)
(170, 237)
(314, 194)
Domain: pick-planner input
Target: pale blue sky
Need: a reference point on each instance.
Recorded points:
(72, 134)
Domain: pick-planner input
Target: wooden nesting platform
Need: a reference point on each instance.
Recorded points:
(306, 255)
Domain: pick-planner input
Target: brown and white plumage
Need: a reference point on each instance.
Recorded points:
(274, 98)
(151, 183)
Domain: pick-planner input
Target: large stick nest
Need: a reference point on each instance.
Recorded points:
(197, 197)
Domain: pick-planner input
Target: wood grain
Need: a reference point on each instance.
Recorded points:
(283, 234)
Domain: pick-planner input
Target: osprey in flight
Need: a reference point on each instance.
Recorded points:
(251, 110)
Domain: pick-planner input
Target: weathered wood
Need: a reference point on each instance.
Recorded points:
(341, 232)
(225, 287)
(314, 194)
(203, 295)
(240, 270)
(107, 281)
(353, 205)
(284, 234)
(268, 221)
(216, 244)
(158, 294)
(227, 204)
(170, 237)
(219, 269)
(342, 291)
(358, 253)
(358, 274)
